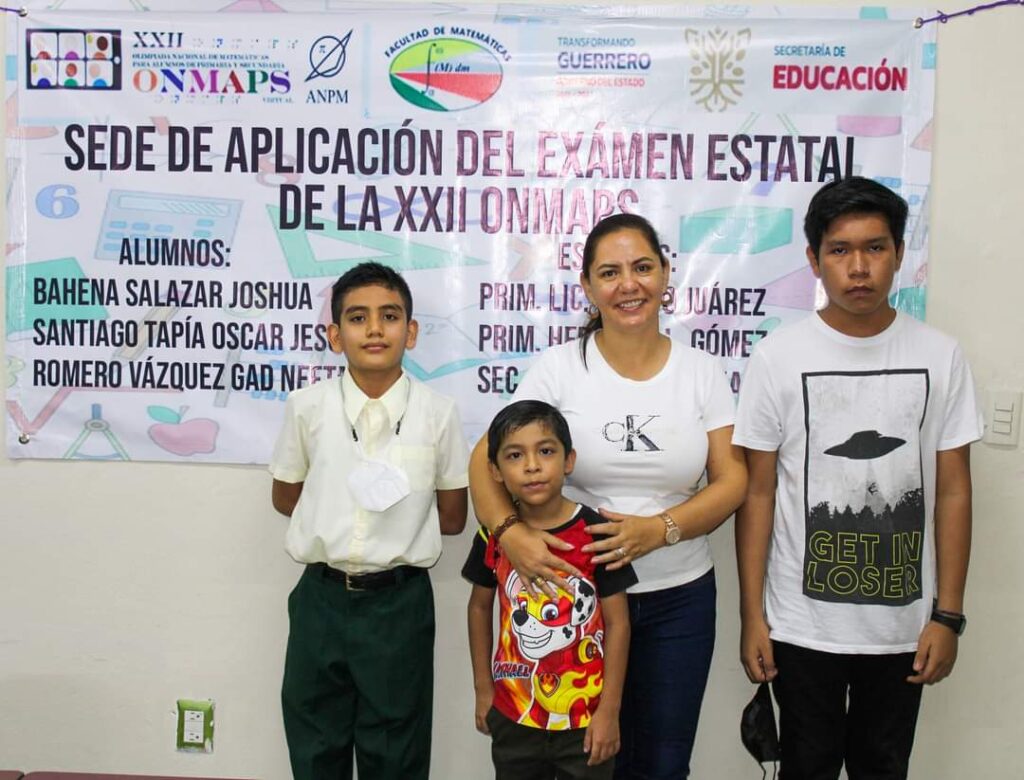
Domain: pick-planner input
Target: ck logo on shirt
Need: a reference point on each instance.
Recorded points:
(631, 431)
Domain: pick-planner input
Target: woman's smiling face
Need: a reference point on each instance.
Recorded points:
(626, 281)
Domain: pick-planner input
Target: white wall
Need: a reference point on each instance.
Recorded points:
(126, 586)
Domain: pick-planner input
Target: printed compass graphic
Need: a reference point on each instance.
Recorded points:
(327, 56)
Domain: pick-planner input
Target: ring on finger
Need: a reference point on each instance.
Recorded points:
(620, 552)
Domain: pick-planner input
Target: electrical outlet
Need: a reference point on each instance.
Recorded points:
(1002, 417)
(195, 725)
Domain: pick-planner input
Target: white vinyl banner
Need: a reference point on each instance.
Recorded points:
(184, 188)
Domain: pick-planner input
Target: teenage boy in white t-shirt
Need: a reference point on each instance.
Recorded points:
(371, 468)
(854, 539)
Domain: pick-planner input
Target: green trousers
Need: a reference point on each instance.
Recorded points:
(359, 675)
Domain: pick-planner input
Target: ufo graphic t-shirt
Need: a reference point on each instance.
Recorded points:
(856, 423)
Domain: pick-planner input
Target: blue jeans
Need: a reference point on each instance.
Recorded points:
(673, 636)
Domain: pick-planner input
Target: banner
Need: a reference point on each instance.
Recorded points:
(184, 188)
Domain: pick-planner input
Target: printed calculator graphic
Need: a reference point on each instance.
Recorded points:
(161, 215)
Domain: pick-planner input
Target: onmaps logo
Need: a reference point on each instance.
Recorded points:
(448, 74)
(73, 59)
(716, 77)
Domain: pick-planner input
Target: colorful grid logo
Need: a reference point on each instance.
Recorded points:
(73, 59)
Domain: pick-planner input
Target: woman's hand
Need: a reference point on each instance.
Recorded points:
(624, 538)
(528, 550)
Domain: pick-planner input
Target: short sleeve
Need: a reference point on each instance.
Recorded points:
(608, 582)
(452, 454)
(475, 569)
(758, 423)
(611, 582)
(541, 382)
(962, 422)
(719, 407)
(290, 461)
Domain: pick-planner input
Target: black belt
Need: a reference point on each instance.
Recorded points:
(373, 581)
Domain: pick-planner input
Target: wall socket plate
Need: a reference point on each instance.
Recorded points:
(1002, 417)
(195, 725)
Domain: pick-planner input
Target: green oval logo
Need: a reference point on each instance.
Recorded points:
(446, 74)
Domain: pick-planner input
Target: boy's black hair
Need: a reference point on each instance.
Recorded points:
(367, 275)
(853, 195)
(520, 414)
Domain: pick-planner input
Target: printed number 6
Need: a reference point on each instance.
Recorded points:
(56, 202)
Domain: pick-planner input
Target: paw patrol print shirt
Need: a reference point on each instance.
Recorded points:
(548, 665)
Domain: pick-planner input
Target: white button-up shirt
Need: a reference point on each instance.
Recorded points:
(316, 447)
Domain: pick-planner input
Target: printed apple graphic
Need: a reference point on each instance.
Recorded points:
(198, 435)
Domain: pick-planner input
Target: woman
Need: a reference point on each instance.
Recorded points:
(649, 416)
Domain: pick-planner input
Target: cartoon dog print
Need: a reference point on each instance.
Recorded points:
(552, 633)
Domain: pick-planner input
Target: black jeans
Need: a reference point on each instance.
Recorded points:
(527, 753)
(854, 708)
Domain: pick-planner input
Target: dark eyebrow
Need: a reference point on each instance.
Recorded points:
(873, 240)
(547, 441)
(361, 309)
(616, 264)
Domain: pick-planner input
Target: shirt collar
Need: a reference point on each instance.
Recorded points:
(395, 400)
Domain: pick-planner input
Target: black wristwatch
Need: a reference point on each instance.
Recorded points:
(954, 621)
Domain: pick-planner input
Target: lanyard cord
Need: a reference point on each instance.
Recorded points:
(398, 429)
(398, 426)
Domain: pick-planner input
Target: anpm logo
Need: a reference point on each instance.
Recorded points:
(445, 73)
(73, 59)
(717, 75)
(327, 58)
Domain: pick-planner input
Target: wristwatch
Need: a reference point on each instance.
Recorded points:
(672, 532)
(954, 621)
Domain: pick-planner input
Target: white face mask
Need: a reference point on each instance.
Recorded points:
(377, 485)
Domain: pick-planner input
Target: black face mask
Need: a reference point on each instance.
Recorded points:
(757, 727)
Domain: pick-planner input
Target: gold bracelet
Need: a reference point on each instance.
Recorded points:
(507, 523)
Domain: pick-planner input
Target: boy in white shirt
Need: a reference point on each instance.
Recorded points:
(854, 539)
(371, 469)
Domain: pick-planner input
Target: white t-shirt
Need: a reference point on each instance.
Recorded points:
(641, 447)
(316, 447)
(856, 423)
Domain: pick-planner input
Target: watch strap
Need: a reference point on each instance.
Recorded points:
(671, 529)
(954, 621)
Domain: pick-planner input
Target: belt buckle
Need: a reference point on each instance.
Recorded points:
(350, 583)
